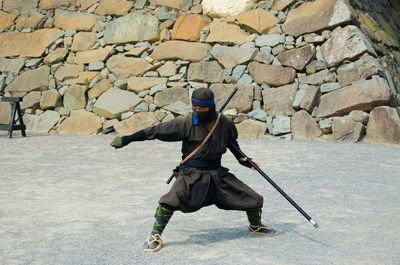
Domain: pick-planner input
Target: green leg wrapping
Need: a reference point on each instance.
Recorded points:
(254, 216)
(162, 218)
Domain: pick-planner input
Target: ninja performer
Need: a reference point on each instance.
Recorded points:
(201, 181)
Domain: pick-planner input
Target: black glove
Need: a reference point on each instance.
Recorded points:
(245, 161)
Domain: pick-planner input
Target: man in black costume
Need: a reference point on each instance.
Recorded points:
(201, 181)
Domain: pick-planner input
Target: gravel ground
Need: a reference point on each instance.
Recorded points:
(75, 200)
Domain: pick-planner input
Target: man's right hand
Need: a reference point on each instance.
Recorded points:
(117, 142)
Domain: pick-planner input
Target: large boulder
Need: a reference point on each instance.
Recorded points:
(12, 66)
(226, 8)
(208, 72)
(171, 95)
(350, 37)
(221, 31)
(364, 96)
(361, 69)
(384, 126)
(316, 16)
(258, 20)
(81, 122)
(113, 7)
(231, 56)
(279, 100)
(188, 27)
(273, 75)
(242, 101)
(183, 50)
(31, 44)
(135, 26)
(114, 102)
(304, 126)
(124, 67)
(43, 123)
(74, 20)
(297, 58)
(250, 129)
(50, 99)
(37, 79)
(136, 123)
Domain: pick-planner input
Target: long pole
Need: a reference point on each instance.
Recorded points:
(235, 89)
(254, 165)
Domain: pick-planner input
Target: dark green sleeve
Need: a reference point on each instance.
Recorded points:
(173, 130)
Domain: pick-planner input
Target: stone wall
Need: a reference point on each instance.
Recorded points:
(305, 69)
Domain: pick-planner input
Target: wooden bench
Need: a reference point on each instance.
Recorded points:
(15, 109)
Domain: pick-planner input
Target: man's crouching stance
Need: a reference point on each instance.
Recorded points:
(201, 181)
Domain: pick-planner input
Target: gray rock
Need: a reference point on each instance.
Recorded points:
(95, 66)
(142, 107)
(140, 4)
(363, 68)
(31, 100)
(232, 56)
(270, 40)
(299, 97)
(258, 114)
(132, 27)
(157, 88)
(246, 79)
(209, 72)
(178, 107)
(328, 87)
(347, 130)
(43, 123)
(281, 125)
(171, 95)
(197, 85)
(238, 71)
(318, 78)
(115, 101)
(315, 66)
(326, 125)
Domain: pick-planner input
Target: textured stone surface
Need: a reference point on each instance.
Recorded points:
(75, 97)
(226, 8)
(208, 72)
(310, 99)
(74, 20)
(280, 5)
(100, 54)
(384, 126)
(136, 123)
(138, 84)
(19, 6)
(50, 99)
(31, 80)
(68, 71)
(6, 20)
(297, 58)
(304, 126)
(221, 31)
(30, 20)
(319, 78)
(83, 41)
(232, 56)
(250, 129)
(132, 27)
(81, 122)
(31, 100)
(114, 102)
(347, 130)
(183, 50)
(258, 20)
(99, 88)
(5, 112)
(315, 16)
(241, 102)
(281, 125)
(345, 43)
(274, 75)
(171, 95)
(52, 4)
(43, 123)
(113, 7)
(279, 100)
(124, 67)
(361, 69)
(11, 65)
(27, 44)
(362, 96)
(188, 27)
(56, 56)
(183, 5)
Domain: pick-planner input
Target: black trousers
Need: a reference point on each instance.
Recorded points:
(194, 189)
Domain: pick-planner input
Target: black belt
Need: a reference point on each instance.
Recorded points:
(203, 164)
